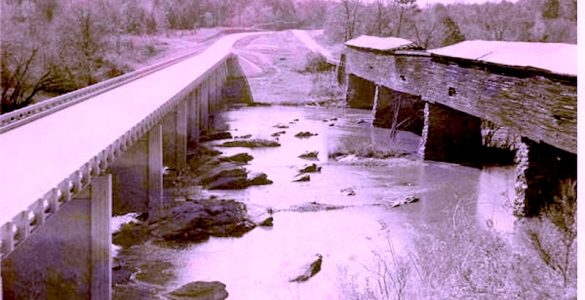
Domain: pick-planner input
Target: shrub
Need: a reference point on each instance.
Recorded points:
(316, 63)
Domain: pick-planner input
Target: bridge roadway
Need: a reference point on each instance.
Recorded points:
(36, 157)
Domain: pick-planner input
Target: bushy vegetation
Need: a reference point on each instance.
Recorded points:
(458, 260)
(439, 25)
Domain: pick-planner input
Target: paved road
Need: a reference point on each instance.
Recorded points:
(310, 43)
(36, 157)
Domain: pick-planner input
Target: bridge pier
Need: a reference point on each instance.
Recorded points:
(450, 136)
(360, 92)
(193, 107)
(175, 137)
(236, 88)
(541, 172)
(137, 176)
(69, 257)
(406, 110)
(203, 101)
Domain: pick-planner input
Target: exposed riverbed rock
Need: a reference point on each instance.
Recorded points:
(268, 222)
(310, 269)
(214, 136)
(278, 133)
(302, 178)
(240, 158)
(310, 155)
(407, 200)
(197, 221)
(200, 290)
(305, 134)
(253, 143)
(238, 181)
(312, 168)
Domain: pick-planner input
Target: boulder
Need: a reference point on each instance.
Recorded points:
(223, 171)
(310, 269)
(310, 155)
(259, 179)
(197, 221)
(268, 222)
(200, 290)
(400, 202)
(305, 134)
(281, 126)
(241, 158)
(312, 168)
(238, 182)
(222, 135)
(253, 143)
(278, 133)
(302, 178)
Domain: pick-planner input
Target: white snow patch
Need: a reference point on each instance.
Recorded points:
(378, 43)
(555, 57)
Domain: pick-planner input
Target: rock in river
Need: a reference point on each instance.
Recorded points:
(197, 221)
(410, 199)
(302, 178)
(254, 143)
(310, 270)
(222, 135)
(312, 168)
(200, 290)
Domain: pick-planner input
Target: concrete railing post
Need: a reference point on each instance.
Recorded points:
(101, 238)
(155, 172)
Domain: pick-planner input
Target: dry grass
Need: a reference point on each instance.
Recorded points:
(463, 262)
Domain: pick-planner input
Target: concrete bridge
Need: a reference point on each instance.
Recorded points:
(68, 164)
(444, 94)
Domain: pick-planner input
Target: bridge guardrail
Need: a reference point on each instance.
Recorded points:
(36, 111)
(16, 230)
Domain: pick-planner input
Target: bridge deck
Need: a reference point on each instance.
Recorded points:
(36, 157)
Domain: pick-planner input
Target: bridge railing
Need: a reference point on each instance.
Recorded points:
(35, 111)
(16, 230)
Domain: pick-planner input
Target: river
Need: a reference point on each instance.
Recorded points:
(352, 239)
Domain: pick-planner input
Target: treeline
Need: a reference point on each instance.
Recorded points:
(54, 46)
(440, 25)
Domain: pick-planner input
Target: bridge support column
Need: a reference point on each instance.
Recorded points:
(236, 88)
(101, 238)
(69, 257)
(137, 175)
(193, 117)
(204, 106)
(360, 92)
(155, 173)
(543, 173)
(450, 136)
(404, 110)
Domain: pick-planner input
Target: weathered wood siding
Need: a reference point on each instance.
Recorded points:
(540, 105)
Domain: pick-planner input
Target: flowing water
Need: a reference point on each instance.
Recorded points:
(260, 264)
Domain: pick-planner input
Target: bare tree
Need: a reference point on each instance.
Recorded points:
(351, 11)
(19, 86)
